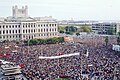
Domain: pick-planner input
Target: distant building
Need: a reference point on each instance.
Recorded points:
(20, 26)
(9, 71)
(103, 28)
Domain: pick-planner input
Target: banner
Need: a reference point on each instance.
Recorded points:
(60, 56)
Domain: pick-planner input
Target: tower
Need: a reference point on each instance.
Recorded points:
(20, 13)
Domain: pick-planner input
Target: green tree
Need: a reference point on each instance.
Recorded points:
(106, 40)
(70, 29)
(77, 34)
(61, 31)
(86, 29)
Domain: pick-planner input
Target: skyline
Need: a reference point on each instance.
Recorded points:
(66, 10)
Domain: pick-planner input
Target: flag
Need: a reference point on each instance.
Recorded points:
(21, 65)
(4, 55)
(60, 53)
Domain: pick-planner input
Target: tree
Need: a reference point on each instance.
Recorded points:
(70, 29)
(106, 40)
(77, 34)
(61, 31)
(86, 29)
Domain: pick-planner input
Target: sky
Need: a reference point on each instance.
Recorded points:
(66, 9)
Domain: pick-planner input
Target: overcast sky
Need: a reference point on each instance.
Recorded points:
(66, 9)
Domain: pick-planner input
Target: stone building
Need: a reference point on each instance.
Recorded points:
(21, 27)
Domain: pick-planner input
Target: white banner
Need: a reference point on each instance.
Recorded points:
(60, 56)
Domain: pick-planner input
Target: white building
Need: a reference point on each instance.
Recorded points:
(104, 27)
(21, 27)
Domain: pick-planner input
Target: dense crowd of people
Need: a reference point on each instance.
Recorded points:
(101, 61)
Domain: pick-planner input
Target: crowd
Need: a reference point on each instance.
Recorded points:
(105, 63)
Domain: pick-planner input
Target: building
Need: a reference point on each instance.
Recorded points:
(10, 71)
(103, 28)
(20, 26)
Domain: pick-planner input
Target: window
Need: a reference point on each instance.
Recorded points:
(19, 26)
(0, 26)
(19, 31)
(41, 34)
(29, 31)
(34, 25)
(47, 30)
(44, 30)
(55, 29)
(7, 36)
(7, 31)
(9, 26)
(10, 31)
(16, 26)
(41, 30)
(26, 31)
(13, 31)
(23, 31)
(34, 30)
(38, 30)
(55, 24)
(16, 31)
(3, 36)
(52, 29)
(12, 26)
(50, 24)
(0, 32)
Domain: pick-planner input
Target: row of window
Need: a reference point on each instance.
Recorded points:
(39, 30)
(46, 25)
(13, 36)
(27, 25)
(9, 26)
(26, 31)
(114, 25)
(39, 35)
(10, 32)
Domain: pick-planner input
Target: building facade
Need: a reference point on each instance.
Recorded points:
(104, 28)
(21, 27)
